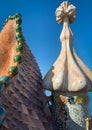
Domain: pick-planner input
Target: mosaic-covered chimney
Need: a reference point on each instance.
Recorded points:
(69, 79)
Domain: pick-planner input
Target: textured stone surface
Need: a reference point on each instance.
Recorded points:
(23, 99)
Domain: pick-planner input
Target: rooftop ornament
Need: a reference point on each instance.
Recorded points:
(69, 78)
(65, 10)
(22, 101)
(69, 73)
(6, 79)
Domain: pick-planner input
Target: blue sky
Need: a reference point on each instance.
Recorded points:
(42, 32)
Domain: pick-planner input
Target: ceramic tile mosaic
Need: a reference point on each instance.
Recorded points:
(70, 112)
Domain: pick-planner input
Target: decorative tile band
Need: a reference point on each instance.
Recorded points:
(12, 70)
(71, 99)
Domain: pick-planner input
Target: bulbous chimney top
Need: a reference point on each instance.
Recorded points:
(68, 73)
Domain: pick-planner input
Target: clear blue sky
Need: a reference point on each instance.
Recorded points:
(42, 32)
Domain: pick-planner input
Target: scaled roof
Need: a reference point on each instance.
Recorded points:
(24, 98)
